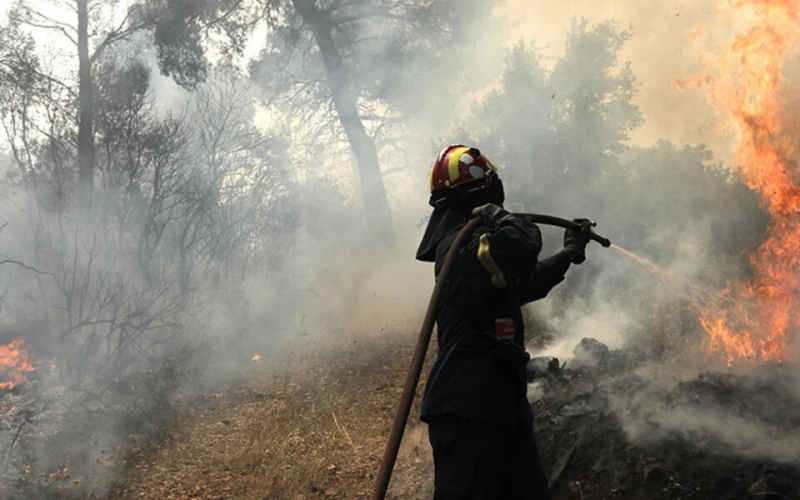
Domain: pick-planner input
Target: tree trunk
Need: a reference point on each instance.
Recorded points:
(373, 191)
(86, 109)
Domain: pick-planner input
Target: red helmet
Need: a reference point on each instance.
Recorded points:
(459, 170)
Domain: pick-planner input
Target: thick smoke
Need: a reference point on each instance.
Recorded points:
(228, 219)
(659, 52)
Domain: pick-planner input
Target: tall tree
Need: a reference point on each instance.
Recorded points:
(93, 27)
(595, 112)
(565, 127)
(515, 123)
(96, 27)
(85, 107)
(361, 68)
(20, 79)
(376, 205)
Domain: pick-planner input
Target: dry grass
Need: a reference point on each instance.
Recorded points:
(316, 431)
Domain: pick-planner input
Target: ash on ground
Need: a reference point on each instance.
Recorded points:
(60, 442)
(614, 424)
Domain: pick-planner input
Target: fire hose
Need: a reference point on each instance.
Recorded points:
(412, 378)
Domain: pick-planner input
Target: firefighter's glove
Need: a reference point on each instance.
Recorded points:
(491, 214)
(575, 241)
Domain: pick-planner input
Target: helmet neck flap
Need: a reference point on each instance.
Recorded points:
(451, 216)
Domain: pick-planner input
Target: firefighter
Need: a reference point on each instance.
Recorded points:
(480, 422)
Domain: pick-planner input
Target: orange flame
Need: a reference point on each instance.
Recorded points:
(744, 83)
(256, 358)
(61, 473)
(14, 363)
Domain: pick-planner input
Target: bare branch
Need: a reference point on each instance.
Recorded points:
(25, 266)
(29, 67)
(13, 443)
(52, 21)
(225, 15)
(117, 34)
(53, 27)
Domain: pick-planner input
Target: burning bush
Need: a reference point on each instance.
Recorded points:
(15, 362)
(745, 84)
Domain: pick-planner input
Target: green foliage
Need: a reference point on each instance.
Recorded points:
(594, 93)
(182, 30)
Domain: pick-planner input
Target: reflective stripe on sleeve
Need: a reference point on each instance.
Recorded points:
(488, 263)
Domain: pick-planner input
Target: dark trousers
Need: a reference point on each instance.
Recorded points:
(477, 460)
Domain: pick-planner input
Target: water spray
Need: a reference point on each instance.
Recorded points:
(412, 379)
(703, 297)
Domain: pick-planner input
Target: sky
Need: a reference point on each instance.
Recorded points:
(660, 50)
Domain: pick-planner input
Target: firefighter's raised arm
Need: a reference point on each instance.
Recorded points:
(551, 271)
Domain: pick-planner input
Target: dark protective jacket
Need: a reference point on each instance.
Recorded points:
(476, 375)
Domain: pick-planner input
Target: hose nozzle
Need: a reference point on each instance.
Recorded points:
(549, 220)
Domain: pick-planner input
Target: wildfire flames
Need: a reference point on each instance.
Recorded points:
(61, 473)
(14, 363)
(256, 358)
(744, 83)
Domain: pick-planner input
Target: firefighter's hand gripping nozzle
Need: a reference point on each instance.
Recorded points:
(575, 241)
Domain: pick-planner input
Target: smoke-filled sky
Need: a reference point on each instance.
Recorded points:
(660, 50)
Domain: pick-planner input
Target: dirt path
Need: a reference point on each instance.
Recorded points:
(316, 433)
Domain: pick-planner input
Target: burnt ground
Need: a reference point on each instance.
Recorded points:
(610, 431)
(629, 428)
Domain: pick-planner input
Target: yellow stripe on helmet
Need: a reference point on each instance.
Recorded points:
(488, 263)
(452, 166)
